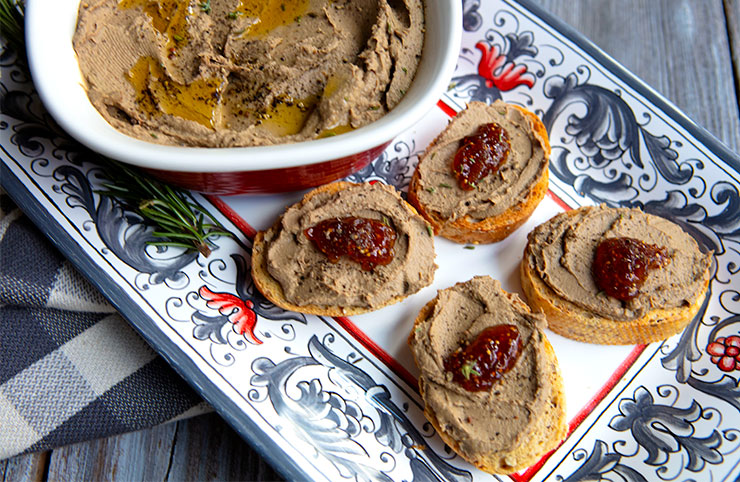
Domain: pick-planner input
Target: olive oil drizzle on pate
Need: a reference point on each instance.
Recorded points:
(198, 101)
(270, 14)
(203, 100)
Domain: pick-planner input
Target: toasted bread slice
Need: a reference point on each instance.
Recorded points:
(529, 398)
(433, 180)
(572, 318)
(414, 240)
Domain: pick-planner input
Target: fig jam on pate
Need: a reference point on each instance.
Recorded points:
(366, 241)
(477, 366)
(480, 155)
(621, 265)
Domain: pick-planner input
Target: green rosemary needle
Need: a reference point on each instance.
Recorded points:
(468, 369)
(178, 220)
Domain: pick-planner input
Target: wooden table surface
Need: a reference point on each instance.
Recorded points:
(688, 50)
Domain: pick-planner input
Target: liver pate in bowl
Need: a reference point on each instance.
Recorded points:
(238, 96)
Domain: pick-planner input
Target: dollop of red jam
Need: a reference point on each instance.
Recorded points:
(480, 155)
(367, 241)
(621, 265)
(477, 366)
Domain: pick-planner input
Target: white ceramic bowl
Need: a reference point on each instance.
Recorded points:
(50, 25)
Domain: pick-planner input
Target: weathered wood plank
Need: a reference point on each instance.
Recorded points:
(732, 11)
(28, 467)
(207, 449)
(202, 448)
(143, 455)
(678, 47)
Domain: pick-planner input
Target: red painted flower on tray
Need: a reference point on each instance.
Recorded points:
(238, 311)
(504, 75)
(725, 353)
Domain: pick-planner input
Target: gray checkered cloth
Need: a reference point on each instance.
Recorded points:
(71, 369)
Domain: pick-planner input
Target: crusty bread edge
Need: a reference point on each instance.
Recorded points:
(572, 321)
(271, 288)
(545, 436)
(495, 228)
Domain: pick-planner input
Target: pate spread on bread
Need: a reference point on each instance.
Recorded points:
(521, 416)
(293, 273)
(502, 200)
(558, 276)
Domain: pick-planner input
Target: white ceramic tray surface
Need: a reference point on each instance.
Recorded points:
(333, 399)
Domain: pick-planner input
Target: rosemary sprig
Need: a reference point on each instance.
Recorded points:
(11, 24)
(179, 221)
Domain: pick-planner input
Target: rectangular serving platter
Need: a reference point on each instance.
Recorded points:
(335, 398)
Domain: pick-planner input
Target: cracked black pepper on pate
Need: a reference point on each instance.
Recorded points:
(246, 72)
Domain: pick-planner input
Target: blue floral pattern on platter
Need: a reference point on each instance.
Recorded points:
(327, 398)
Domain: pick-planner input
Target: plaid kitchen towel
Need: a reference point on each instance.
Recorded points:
(71, 369)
